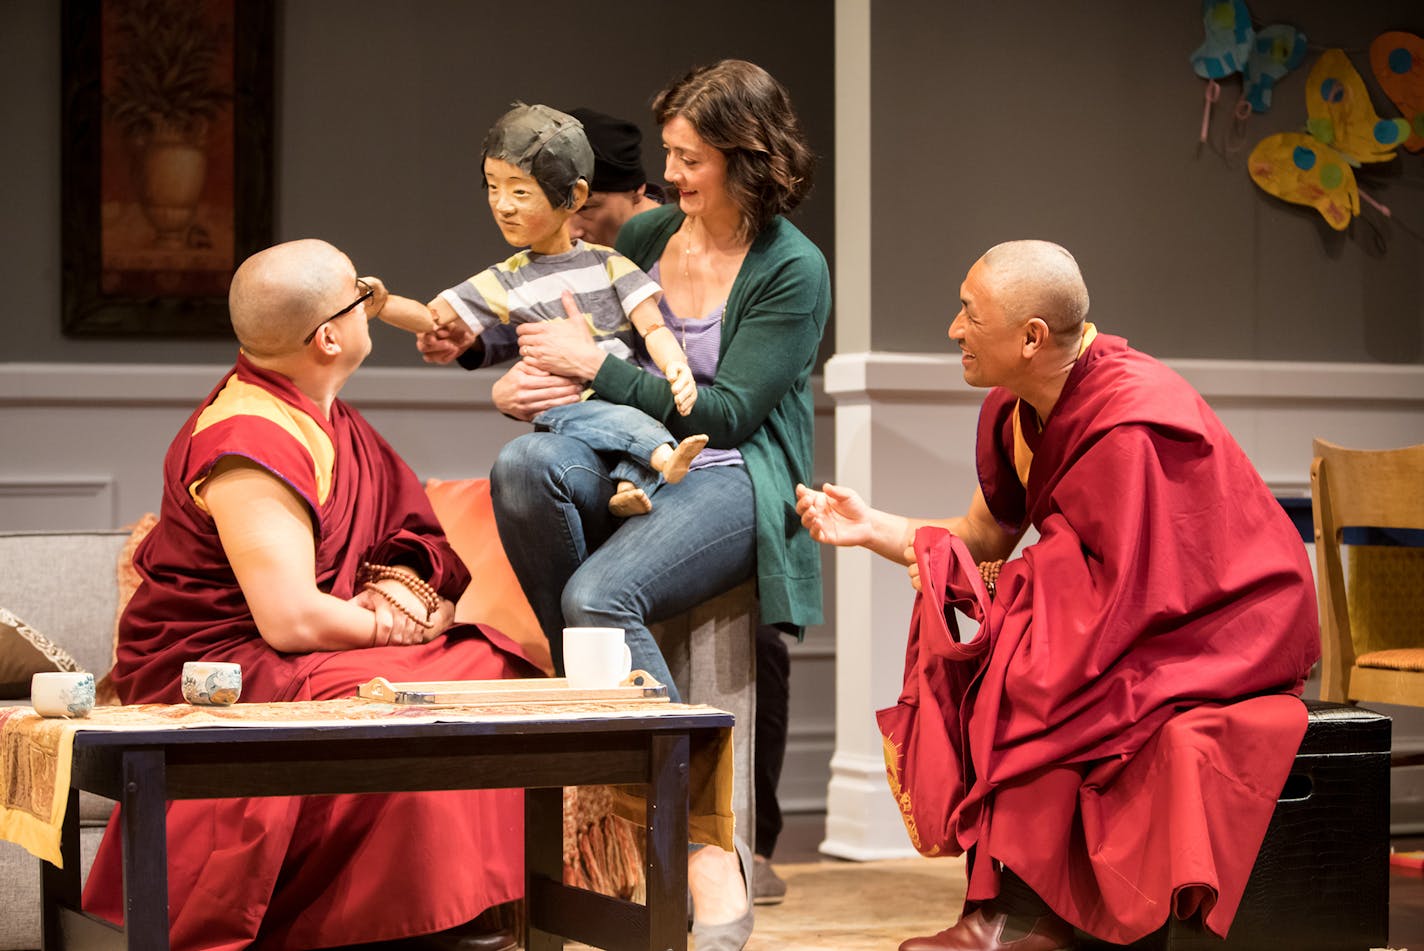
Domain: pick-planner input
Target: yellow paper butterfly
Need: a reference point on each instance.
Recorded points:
(1345, 131)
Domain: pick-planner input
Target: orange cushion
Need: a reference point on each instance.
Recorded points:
(494, 596)
(1399, 658)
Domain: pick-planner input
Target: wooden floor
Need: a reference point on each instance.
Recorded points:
(803, 833)
(1406, 901)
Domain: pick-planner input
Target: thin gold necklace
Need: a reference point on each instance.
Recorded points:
(694, 286)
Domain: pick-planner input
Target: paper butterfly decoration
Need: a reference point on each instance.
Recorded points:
(1398, 63)
(1345, 131)
(1233, 46)
(1228, 39)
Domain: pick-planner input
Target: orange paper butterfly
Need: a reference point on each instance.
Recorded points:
(1398, 63)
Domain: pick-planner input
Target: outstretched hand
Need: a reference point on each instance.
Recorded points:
(400, 312)
(834, 515)
(378, 295)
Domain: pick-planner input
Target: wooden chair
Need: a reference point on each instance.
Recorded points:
(1371, 594)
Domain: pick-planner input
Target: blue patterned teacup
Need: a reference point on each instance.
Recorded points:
(62, 693)
(211, 683)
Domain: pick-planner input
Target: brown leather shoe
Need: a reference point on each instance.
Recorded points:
(978, 931)
(462, 938)
(498, 939)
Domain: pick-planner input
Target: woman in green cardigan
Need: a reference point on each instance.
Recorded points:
(748, 296)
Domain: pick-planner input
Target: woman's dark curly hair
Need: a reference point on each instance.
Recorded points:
(738, 108)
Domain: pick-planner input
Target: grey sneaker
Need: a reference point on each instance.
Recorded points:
(767, 886)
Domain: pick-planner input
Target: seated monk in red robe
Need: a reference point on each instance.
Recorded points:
(1109, 747)
(294, 541)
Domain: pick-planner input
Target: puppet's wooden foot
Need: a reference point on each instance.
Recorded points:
(673, 464)
(629, 500)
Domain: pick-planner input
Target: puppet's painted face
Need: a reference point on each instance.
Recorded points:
(989, 346)
(520, 207)
(696, 169)
(601, 216)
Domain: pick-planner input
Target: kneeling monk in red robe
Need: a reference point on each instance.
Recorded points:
(1110, 745)
(294, 541)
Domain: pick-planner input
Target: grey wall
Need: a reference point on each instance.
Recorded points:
(1078, 122)
(381, 108)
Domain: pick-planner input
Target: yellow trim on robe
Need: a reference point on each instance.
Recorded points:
(238, 398)
(1023, 455)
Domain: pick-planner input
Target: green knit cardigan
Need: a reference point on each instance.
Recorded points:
(760, 401)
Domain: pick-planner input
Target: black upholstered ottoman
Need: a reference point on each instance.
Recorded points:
(1321, 880)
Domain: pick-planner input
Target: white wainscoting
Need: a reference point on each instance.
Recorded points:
(39, 504)
(904, 437)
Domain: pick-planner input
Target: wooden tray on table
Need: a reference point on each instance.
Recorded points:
(526, 690)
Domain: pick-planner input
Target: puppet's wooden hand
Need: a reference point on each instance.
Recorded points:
(377, 303)
(684, 387)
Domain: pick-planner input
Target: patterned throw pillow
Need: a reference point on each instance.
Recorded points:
(24, 652)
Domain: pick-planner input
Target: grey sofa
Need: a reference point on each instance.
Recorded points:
(65, 585)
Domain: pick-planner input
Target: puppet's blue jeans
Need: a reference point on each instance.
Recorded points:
(612, 427)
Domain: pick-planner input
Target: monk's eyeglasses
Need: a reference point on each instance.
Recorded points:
(367, 292)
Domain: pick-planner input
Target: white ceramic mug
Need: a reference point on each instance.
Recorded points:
(62, 693)
(211, 683)
(596, 658)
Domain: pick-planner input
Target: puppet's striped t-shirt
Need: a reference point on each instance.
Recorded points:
(529, 287)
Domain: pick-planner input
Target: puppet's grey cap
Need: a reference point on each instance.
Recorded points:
(548, 143)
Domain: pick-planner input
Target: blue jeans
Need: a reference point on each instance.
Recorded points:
(612, 427)
(581, 565)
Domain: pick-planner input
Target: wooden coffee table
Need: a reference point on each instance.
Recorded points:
(144, 768)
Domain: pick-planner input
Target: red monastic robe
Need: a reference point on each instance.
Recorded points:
(1132, 714)
(296, 872)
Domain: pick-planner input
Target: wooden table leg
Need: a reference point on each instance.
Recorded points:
(145, 839)
(60, 886)
(543, 857)
(666, 869)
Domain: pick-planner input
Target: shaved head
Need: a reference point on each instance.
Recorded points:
(1038, 279)
(277, 295)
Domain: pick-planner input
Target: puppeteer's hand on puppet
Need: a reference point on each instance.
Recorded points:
(525, 391)
(448, 337)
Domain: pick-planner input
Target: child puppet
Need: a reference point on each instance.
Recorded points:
(537, 164)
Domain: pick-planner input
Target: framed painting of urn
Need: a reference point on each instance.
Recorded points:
(166, 181)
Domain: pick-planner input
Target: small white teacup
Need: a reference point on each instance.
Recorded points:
(211, 683)
(62, 693)
(596, 658)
